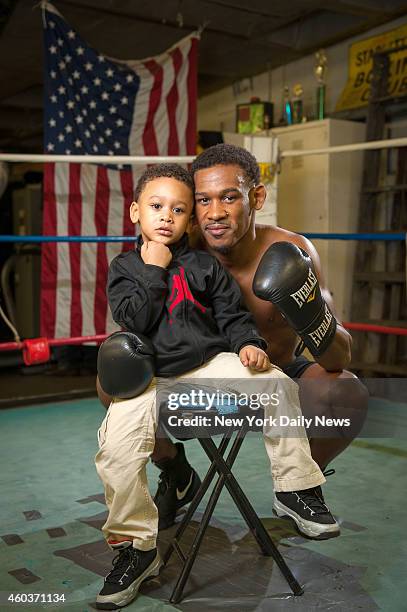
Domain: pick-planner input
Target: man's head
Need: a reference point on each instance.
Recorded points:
(227, 192)
(163, 203)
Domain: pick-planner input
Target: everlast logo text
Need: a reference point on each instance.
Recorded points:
(319, 333)
(304, 293)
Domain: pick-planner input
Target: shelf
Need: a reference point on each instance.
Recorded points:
(387, 189)
(380, 277)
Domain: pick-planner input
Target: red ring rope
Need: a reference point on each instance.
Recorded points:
(37, 350)
(380, 329)
(15, 346)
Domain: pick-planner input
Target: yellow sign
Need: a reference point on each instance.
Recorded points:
(267, 172)
(357, 89)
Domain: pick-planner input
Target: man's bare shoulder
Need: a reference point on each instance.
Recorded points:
(269, 234)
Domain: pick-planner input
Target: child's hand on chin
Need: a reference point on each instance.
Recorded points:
(254, 358)
(156, 254)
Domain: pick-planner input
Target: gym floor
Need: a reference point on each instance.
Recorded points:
(52, 509)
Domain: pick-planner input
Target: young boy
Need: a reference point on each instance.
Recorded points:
(190, 308)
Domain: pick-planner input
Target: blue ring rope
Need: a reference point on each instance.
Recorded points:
(315, 236)
(369, 236)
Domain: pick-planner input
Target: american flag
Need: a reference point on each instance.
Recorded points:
(95, 105)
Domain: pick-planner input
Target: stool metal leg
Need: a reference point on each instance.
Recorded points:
(226, 477)
(176, 595)
(195, 502)
(246, 509)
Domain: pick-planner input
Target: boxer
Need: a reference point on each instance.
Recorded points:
(228, 192)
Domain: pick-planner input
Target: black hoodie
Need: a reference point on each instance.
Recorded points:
(191, 311)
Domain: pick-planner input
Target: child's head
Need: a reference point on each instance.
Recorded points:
(164, 200)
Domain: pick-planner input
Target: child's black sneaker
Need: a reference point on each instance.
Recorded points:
(130, 568)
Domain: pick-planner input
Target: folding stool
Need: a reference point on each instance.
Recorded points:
(221, 464)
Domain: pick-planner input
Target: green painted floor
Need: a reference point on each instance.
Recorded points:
(46, 455)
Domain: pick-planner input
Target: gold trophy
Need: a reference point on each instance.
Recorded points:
(320, 70)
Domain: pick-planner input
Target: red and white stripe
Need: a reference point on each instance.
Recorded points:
(164, 121)
(74, 275)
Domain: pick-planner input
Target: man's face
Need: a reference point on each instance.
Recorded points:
(224, 205)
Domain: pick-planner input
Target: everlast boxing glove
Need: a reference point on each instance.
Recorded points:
(125, 364)
(286, 278)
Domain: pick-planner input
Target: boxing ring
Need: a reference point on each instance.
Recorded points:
(38, 350)
(229, 575)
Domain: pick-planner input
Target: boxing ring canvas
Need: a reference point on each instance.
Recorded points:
(50, 539)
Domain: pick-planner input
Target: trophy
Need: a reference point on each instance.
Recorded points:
(320, 70)
(296, 104)
(287, 111)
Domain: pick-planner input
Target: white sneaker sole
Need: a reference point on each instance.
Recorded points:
(316, 531)
(119, 600)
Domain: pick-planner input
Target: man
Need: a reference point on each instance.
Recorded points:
(228, 192)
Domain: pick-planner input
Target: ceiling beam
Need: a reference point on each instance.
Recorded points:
(242, 9)
(355, 31)
(185, 29)
(338, 6)
(263, 29)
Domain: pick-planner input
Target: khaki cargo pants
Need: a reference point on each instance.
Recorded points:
(127, 438)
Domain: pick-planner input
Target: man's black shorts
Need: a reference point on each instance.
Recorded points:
(296, 368)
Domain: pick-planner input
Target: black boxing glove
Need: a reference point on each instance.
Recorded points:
(125, 364)
(286, 277)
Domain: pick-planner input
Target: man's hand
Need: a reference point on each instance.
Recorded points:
(156, 254)
(254, 358)
(286, 277)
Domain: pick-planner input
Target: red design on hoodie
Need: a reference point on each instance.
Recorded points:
(181, 292)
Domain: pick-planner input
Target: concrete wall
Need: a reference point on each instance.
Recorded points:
(217, 111)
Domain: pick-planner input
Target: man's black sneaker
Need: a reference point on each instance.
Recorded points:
(177, 486)
(130, 568)
(309, 511)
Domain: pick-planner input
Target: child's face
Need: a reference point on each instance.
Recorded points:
(163, 210)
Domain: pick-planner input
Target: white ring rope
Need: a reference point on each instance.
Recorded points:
(186, 159)
(360, 146)
(134, 160)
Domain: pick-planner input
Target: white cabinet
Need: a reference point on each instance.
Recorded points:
(320, 193)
